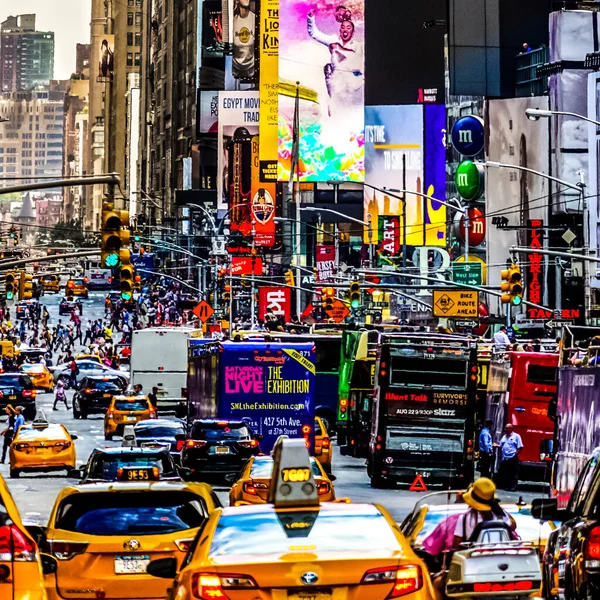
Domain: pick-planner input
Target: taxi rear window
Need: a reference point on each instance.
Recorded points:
(136, 405)
(132, 513)
(15, 381)
(33, 368)
(263, 468)
(105, 386)
(79, 282)
(327, 531)
(106, 466)
(52, 432)
(164, 431)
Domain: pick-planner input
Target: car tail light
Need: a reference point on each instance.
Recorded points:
(184, 545)
(250, 489)
(323, 488)
(88, 391)
(64, 550)
(180, 444)
(110, 415)
(512, 586)
(195, 443)
(326, 443)
(21, 446)
(29, 393)
(593, 544)
(249, 444)
(15, 545)
(63, 444)
(407, 579)
(208, 586)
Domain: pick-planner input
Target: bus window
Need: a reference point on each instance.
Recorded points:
(419, 372)
(328, 356)
(542, 374)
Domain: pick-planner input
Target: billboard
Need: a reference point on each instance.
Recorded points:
(244, 39)
(405, 148)
(262, 205)
(209, 112)
(238, 122)
(106, 61)
(268, 86)
(277, 300)
(321, 47)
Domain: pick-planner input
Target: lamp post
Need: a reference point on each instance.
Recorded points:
(535, 114)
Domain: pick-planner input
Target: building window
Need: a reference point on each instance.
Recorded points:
(129, 18)
(130, 38)
(138, 19)
(129, 2)
(130, 59)
(138, 39)
(137, 59)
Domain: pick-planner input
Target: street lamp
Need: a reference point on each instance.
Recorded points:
(535, 114)
(4, 120)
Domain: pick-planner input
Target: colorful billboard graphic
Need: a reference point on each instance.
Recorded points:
(106, 63)
(238, 122)
(325, 263)
(209, 112)
(321, 47)
(262, 205)
(268, 87)
(244, 37)
(405, 149)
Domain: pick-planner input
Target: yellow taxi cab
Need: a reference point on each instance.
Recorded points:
(77, 287)
(20, 567)
(50, 283)
(101, 536)
(40, 376)
(252, 487)
(322, 444)
(41, 446)
(126, 410)
(94, 357)
(297, 548)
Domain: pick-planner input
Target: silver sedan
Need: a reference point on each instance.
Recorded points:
(87, 368)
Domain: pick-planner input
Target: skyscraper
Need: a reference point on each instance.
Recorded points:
(26, 55)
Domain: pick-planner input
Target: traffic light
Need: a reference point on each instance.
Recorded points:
(137, 283)
(25, 286)
(115, 237)
(289, 278)
(355, 294)
(10, 285)
(227, 294)
(328, 296)
(511, 286)
(127, 283)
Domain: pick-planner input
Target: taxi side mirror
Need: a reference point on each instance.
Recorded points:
(165, 568)
(74, 437)
(74, 474)
(546, 509)
(49, 564)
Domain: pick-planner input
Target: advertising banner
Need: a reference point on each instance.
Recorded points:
(325, 263)
(213, 44)
(242, 265)
(238, 122)
(407, 144)
(262, 207)
(535, 261)
(209, 112)
(244, 38)
(277, 300)
(321, 46)
(268, 87)
(106, 63)
(389, 238)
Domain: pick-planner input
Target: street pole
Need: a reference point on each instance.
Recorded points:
(252, 288)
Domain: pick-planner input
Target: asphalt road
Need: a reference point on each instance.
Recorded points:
(35, 493)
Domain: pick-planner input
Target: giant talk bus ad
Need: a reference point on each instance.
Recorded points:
(269, 385)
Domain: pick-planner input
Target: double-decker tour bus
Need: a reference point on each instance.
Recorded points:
(355, 391)
(271, 385)
(423, 412)
(521, 386)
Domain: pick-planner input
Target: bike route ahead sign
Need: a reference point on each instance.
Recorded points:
(463, 304)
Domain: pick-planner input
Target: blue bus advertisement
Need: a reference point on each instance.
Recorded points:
(269, 385)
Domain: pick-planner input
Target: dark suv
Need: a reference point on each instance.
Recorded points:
(94, 394)
(218, 447)
(17, 389)
(571, 564)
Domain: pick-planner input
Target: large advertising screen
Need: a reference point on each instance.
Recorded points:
(321, 48)
(405, 149)
(244, 39)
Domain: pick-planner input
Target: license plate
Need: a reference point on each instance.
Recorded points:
(107, 395)
(222, 450)
(131, 418)
(309, 595)
(12, 397)
(125, 565)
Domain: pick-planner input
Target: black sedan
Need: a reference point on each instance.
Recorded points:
(104, 464)
(94, 394)
(66, 307)
(218, 447)
(161, 433)
(17, 389)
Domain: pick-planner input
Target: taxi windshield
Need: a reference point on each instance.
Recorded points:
(262, 468)
(216, 431)
(106, 465)
(129, 405)
(358, 529)
(132, 513)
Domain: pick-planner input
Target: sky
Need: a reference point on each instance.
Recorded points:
(69, 19)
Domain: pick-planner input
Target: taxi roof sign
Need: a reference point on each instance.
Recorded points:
(294, 483)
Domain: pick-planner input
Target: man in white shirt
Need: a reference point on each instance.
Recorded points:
(501, 339)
